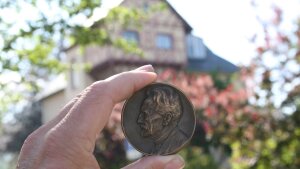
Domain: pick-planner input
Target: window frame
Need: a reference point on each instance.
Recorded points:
(170, 36)
(137, 42)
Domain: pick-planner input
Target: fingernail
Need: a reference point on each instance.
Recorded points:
(147, 68)
(176, 163)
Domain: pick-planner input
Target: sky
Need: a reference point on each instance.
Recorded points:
(224, 26)
(227, 26)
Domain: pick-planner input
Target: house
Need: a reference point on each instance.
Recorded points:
(170, 44)
(167, 42)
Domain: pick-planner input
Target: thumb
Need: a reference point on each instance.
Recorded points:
(158, 162)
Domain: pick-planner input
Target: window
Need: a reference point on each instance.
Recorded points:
(164, 41)
(131, 36)
(146, 7)
(195, 47)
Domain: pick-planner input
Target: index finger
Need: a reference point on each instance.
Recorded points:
(91, 112)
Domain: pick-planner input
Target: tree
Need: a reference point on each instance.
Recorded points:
(221, 105)
(279, 88)
(37, 33)
(34, 36)
(256, 127)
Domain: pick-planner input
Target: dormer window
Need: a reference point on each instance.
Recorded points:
(131, 36)
(164, 41)
(195, 47)
(146, 7)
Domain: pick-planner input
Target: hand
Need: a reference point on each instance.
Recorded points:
(67, 142)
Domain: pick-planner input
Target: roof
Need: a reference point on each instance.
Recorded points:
(211, 63)
(134, 62)
(187, 27)
(54, 86)
(202, 59)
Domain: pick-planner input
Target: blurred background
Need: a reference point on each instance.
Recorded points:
(237, 61)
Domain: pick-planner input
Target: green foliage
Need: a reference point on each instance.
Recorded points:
(128, 47)
(126, 16)
(32, 51)
(275, 142)
(33, 47)
(84, 36)
(196, 158)
(221, 81)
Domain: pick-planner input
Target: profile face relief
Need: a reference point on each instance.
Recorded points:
(149, 120)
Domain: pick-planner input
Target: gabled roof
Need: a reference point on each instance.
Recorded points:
(187, 27)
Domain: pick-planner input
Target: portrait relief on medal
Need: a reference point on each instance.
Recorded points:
(158, 119)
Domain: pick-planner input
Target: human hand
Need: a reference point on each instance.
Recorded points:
(67, 142)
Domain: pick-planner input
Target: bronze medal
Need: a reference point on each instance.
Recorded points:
(158, 119)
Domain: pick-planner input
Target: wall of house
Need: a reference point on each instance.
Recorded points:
(76, 80)
(165, 21)
(51, 105)
(76, 76)
(121, 68)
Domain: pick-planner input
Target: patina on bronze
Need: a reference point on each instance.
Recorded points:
(158, 119)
